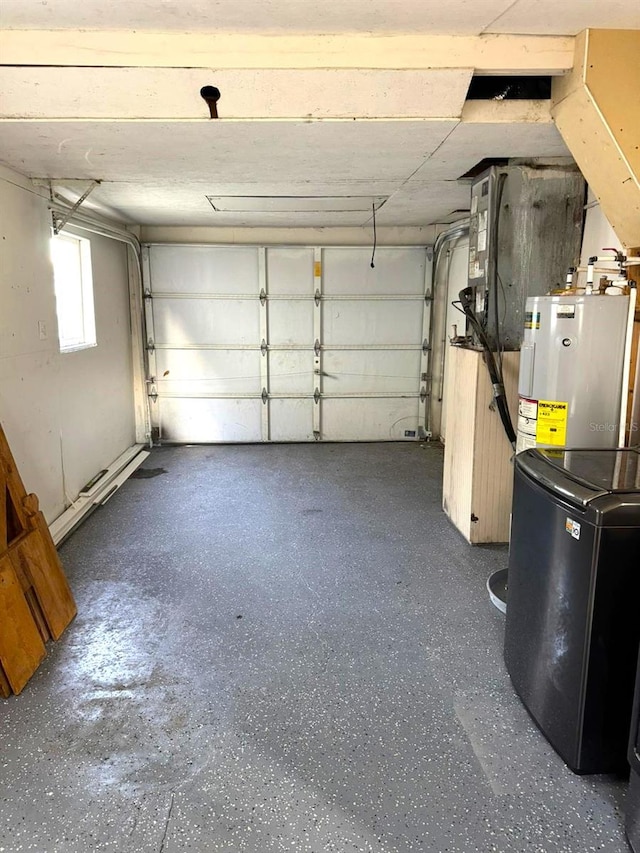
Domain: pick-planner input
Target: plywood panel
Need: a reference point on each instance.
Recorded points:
(21, 647)
(492, 483)
(612, 75)
(457, 486)
(604, 157)
(36, 558)
(478, 473)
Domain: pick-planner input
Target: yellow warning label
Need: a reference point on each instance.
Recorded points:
(552, 422)
(317, 269)
(532, 320)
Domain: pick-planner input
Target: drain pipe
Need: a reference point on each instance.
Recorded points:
(443, 354)
(454, 232)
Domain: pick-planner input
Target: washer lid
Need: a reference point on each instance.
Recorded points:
(602, 471)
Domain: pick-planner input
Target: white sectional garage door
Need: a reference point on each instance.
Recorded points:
(252, 344)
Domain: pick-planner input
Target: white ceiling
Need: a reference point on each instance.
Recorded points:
(461, 17)
(159, 173)
(324, 131)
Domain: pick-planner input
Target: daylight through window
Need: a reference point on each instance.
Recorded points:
(73, 283)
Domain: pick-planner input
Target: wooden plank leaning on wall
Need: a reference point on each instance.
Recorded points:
(36, 603)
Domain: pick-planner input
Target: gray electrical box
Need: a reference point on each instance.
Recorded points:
(525, 232)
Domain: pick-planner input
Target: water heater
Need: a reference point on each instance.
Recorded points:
(572, 364)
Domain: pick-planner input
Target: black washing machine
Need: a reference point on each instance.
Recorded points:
(572, 623)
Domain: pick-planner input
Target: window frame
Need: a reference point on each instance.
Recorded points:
(88, 338)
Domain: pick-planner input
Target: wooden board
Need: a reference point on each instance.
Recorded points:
(35, 556)
(36, 603)
(5, 687)
(21, 647)
(3, 515)
(478, 471)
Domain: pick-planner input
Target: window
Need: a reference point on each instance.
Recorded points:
(71, 257)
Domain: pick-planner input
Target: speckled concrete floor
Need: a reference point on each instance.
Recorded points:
(285, 648)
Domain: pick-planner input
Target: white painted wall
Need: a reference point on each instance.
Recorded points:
(68, 415)
(598, 233)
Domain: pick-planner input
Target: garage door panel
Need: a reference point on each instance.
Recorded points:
(205, 420)
(201, 321)
(371, 372)
(204, 269)
(234, 331)
(396, 271)
(291, 420)
(369, 420)
(371, 323)
(290, 271)
(209, 371)
(291, 372)
(290, 323)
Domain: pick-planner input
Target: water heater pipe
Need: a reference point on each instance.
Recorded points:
(588, 291)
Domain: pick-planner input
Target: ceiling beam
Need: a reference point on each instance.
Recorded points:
(174, 93)
(595, 110)
(487, 54)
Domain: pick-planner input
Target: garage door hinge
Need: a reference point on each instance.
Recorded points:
(153, 395)
(150, 345)
(317, 396)
(263, 297)
(428, 297)
(317, 348)
(425, 346)
(148, 294)
(423, 395)
(265, 396)
(263, 347)
(316, 434)
(317, 297)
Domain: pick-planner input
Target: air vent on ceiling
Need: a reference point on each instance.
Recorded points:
(295, 204)
(532, 88)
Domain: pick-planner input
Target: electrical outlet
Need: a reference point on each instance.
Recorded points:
(42, 330)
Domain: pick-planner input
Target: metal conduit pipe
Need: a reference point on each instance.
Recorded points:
(443, 355)
(455, 232)
(87, 223)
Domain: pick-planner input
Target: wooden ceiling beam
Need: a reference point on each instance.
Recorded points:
(487, 54)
